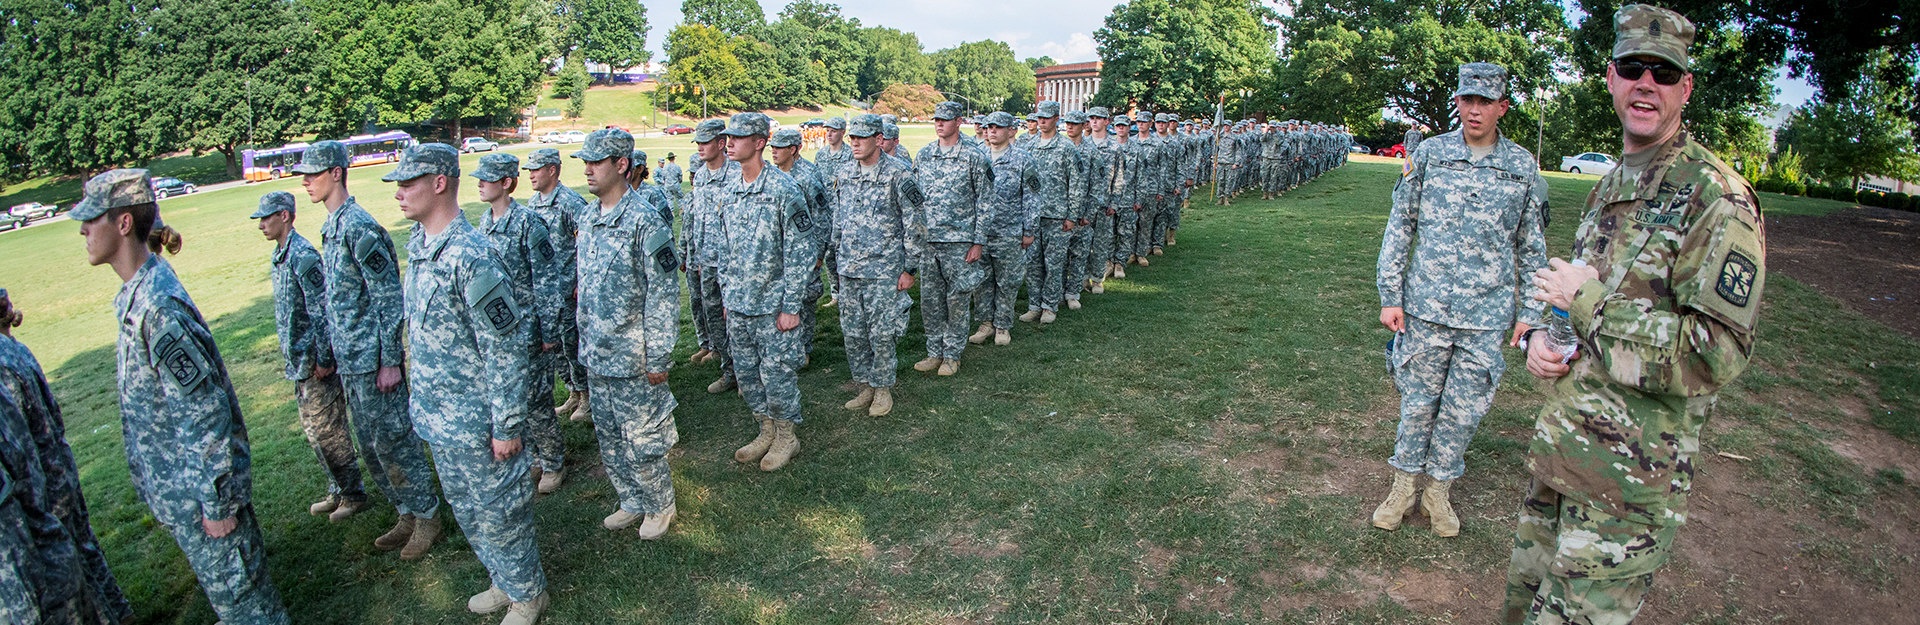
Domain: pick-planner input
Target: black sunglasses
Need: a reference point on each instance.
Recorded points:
(1663, 73)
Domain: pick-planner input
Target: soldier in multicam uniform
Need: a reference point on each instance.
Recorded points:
(957, 181)
(527, 255)
(1465, 212)
(700, 236)
(300, 314)
(1008, 235)
(185, 439)
(629, 321)
(766, 249)
(1093, 169)
(1101, 190)
(364, 320)
(1665, 309)
(70, 565)
(875, 232)
(470, 370)
(561, 206)
(785, 148)
(828, 160)
(1057, 202)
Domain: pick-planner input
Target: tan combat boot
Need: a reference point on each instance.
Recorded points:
(1030, 315)
(346, 510)
(1098, 288)
(1047, 316)
(722, 385)
(583, 411)
(620, 519)
(785, 445)
(526, 613)
(550, 481)
(426, 532)
(1120, 270)
(397, 537)
(1170, 241)
(325, 505)
(1399, 501)
(864, 399)
(1001, 337)
(927, 364)
(656, 524)
(488, 602)
(573, 401)
(758, 447)
(1439, 510)
(1073, 304)
(699, 356)
(949, 366)
(1141, 260)
(980, 335)
(1156, 252)
(882, 402)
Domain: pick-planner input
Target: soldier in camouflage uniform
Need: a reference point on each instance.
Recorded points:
(1093, 169)
(527, 254)
(364, 303)
(1226, 164)
(1101, 192)
(300, 314)
(1008, 235)
(639, 178)
(671, 178)
(470, 369)
(890, 136)
(1275, 155)
(186, 442)
(700, 232)
(561, 206)
(49, 482)
(785, 146)
(876, 232)
(629, 321)
(1465, 213)
(1129, 159)
(1033, 132)
(957, 180)
(1057, 202)
(766, 255)
(1666, 309)
(828, 160)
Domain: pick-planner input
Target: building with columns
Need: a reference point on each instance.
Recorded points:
(1072, 85)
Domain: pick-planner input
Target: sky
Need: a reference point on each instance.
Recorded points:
(1063, 31)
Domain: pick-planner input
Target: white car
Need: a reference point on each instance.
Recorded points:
(1590, 163)
(574, 136)
(553, 136)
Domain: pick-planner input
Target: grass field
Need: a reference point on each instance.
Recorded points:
(1201, 444)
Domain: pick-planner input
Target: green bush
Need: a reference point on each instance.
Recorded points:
(1794, 187)
(1843, 194)
(1768, 185)
(1869, 197)
(1818, 191)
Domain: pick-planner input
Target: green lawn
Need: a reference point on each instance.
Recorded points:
(1201, 444)
(632, 105)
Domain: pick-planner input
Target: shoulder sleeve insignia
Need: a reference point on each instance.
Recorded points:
(489, 296)
(367, 249)
(657, 246)
(179, 358)
(1735, 284)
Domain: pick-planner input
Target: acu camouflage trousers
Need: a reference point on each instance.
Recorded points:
(763, 363)
(1047, 265)
(493, 501)
(232, 569)
(1447, 377)
(633, 421)
(873, 315)
(1126, 230)
(946, 290)
(709, 312)
(323, 418)
(393, 453)
(544, 441)
(1576, 564)
(1100, 244)
(1078, 249)
(1004, 264)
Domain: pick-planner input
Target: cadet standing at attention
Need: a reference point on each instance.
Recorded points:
(1004, 261)
(629, 322)
(364, 306)
(527, 256)
(890, 143)
(561, 206)
(785, 147)
(1125, 198)
(186, 442)
(1103, 190)
(701, 232)
(1466, 214)
(470, 370)
(1056, 162)
(766, 245)
(671, 178)
(300, 315)
(957, 181)
(1092, 195)
(1665, 310)
(828, 159)
(875, 210)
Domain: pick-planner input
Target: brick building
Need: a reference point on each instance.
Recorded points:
(1072, 85)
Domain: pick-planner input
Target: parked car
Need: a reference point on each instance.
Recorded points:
(35, 210)
(1588, 163)
(676, 129)
(1399, 150)
(1359, 149)
(164, 188)
(574, 136)
(21, 215)
(477, 144)
(553, 136)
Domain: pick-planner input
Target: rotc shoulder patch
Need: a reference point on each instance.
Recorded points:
(1736, 279)
(367, 250)
(657, 245)
(308, 269)
(179, 359)
(802, 218)
(488, 298)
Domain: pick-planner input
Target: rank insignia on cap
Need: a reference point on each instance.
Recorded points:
(1736, 279)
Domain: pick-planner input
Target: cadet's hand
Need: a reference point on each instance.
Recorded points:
(657, 379)
(1108, 210)
(1136, 208)
(1519, 330)
(219, 529)
(973, 253)
(1159, 196)
(502, 450)
(1066, 225)
(1393, 318)
(389, 378)
(786, 321)
(1086, 222)
(547, 347)
(321, 373)
(1561, 281)
(1025, 241)
(1545, 363)
(906, 282)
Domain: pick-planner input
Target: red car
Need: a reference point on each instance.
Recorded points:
(676, 129)
(1399, 150)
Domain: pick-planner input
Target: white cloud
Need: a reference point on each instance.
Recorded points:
(1079, 48)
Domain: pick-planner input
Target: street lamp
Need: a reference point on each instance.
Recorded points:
(1244, 94)
(969, 100)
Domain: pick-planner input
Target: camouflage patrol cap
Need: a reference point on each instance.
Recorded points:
(1032, 117)
(426, 159)
(837, 123)
(1640, 29)
(865, 125)
(603, 144)
(889, 131)
(784, 138)
(542, 158)
(1482, 79)
(746, 125)
(948, 110)
(322, 156)
(708, 130)
(1074, 117)
(1002, 119)
(1099, 111)
(271, 203)
(1122, 120)
(493, 167)
(890, 118)
(638, 156)
(1046, 109)
(113, 189)
(1165, 117)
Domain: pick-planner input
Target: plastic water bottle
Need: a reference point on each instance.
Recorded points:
(1560, 336)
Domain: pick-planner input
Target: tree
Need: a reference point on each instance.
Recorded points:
(232, 73)
(572, 87)
(828, 41)
(983, 71)
(733, 17)
(702, 56)
(1327, 78)
(907, 101)
(418, 60)
(1038, 62)
(893, 57)
(1867, 134)
(1178, 55)
(71, 101)
(608, 32)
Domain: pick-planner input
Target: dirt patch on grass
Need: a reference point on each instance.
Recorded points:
(1868, 258)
